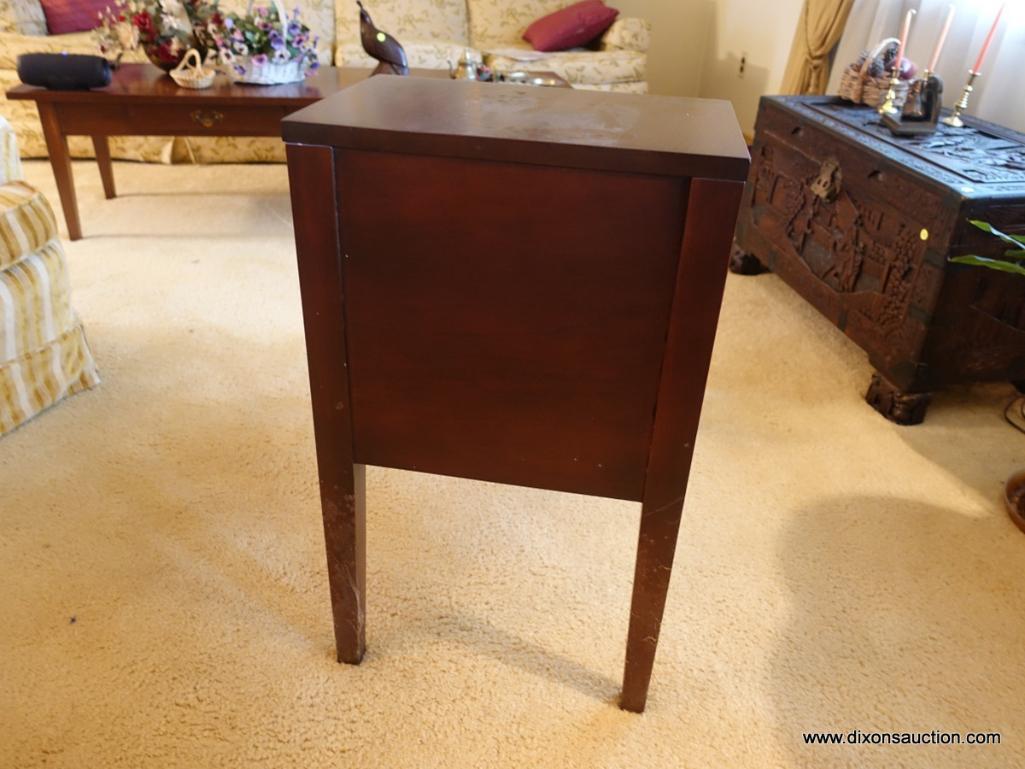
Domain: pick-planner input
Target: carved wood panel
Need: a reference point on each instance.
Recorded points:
(862, 224)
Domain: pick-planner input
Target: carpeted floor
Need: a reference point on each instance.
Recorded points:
(164, 596)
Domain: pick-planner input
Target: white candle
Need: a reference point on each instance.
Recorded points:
(904, 32)
(989, 39)
(943, 39)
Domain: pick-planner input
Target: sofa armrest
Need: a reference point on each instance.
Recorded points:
(629, 34)
(24, 17)
(10, 161)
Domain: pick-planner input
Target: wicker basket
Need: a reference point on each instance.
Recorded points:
(270, 72)
(858, 86)
(191, 73)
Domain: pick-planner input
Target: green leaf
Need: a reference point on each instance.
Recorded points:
(1014, 240)
(993, 264)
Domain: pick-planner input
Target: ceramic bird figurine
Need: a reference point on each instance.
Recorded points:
(382, 46)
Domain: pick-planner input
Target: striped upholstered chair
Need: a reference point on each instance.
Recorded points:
(44, 356)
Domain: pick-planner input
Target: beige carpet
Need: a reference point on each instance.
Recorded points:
(164, 594)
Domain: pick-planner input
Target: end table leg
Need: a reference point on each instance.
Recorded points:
(102, 148)
(710, 216)
(345, 536)
(311, 174)
(60, 161)
(655, 550)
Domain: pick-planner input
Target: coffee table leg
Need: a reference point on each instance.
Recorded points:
(342, 481)
(102, 148)
(60, 161)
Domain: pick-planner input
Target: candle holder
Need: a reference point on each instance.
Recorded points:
(888, 107)
(954, 119)
(921, 111)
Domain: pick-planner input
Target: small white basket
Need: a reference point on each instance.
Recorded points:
(269, 72)
(191, 73)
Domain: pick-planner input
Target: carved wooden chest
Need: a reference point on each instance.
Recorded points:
(861, 224)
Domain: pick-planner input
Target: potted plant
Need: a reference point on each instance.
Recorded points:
(266, 45)
(1012, 261)
(166, 29)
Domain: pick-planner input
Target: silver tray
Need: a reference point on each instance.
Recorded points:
(531, 78)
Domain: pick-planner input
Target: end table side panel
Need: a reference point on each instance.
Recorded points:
(507, 321)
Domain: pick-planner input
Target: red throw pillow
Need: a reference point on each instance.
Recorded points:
(63, 16)
(576, 25)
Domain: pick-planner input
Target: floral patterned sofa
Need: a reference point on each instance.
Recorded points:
(432, 32)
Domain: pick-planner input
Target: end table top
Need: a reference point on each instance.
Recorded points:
(631, 133)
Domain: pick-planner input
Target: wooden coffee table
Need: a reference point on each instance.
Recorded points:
(142, 101)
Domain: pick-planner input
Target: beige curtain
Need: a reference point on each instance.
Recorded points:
(818, 31)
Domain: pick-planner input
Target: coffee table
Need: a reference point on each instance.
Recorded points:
(142, 101)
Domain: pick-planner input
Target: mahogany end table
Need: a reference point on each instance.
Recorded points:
(512, 284)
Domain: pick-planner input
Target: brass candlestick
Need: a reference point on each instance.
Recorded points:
(888, 107)
(954, 120)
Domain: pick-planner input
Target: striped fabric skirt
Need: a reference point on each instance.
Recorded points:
(44, 355)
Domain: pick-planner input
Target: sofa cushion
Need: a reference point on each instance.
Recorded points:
(407, 21)
(12, 46)
(64, 16)
(23, 17)
(502, 22)
(432, 55)
(26, 222)
(579, 67)
(630, 34)
(570, 27)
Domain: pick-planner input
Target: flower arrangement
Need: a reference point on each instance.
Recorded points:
(266, 45)
(166, 29)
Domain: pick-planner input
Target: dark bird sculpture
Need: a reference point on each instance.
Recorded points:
(382, 46)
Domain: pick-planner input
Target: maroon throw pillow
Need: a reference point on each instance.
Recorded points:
(64, 16)
(576, 25)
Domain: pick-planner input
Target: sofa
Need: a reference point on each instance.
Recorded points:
(433, 33)
(436, 32)
(44, 356)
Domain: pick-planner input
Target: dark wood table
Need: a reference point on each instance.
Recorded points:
(143, 101)
(517, 285)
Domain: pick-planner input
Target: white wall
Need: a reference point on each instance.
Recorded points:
(697, 45)
(679, 35)
(762, 34)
